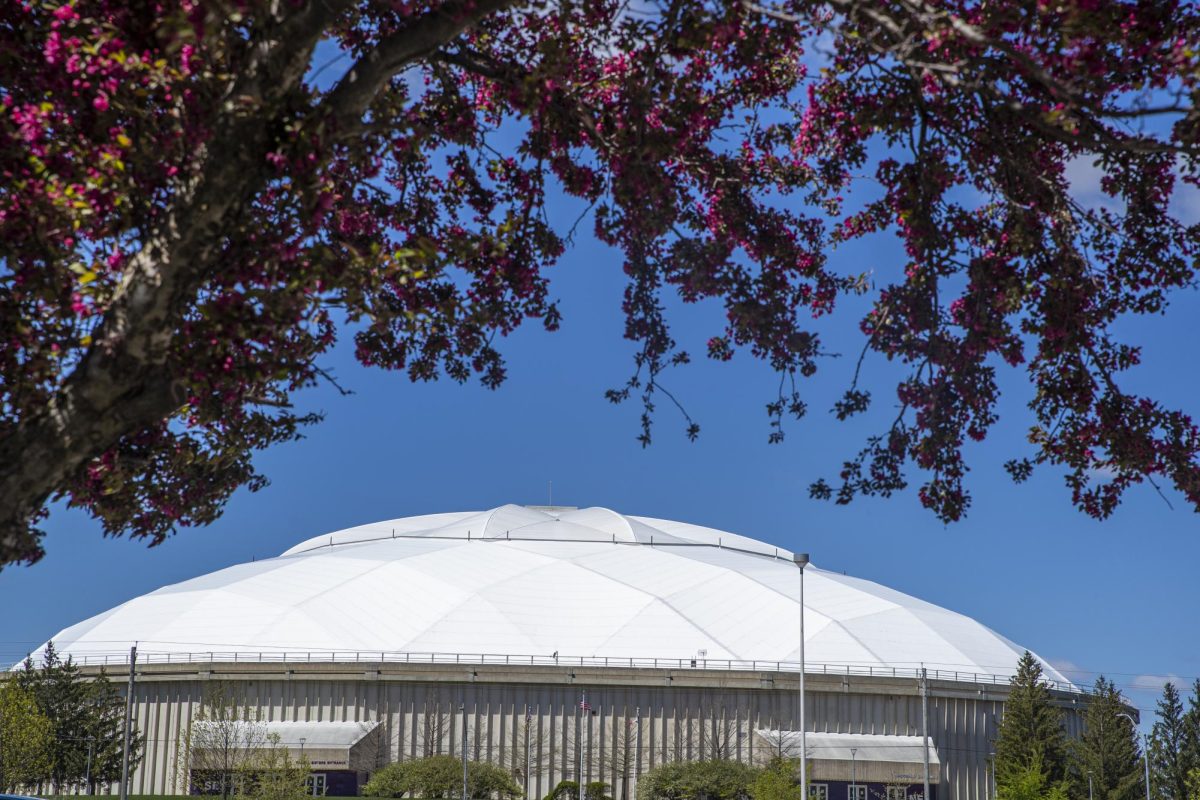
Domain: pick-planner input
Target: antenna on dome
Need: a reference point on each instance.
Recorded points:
(550, 493)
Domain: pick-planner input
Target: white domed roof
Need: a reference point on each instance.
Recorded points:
(527, 583)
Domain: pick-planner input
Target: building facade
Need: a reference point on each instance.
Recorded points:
(529, 720)
(653, 641)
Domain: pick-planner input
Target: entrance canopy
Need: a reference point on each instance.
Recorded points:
(866, 757)
(326, 745)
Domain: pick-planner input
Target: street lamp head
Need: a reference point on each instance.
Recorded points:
(1133, 722)
(801, 560)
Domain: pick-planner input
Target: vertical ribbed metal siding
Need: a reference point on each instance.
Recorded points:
(962, 729)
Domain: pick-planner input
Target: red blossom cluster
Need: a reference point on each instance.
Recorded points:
(188, 211)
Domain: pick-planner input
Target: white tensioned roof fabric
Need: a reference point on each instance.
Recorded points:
(529, 581)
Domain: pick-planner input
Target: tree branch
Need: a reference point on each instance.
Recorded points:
(123, 384)
(348, 100)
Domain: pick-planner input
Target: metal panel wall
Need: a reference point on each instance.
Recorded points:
(633, 728)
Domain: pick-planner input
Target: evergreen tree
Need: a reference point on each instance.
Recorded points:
(87, 718)
(1031, 783)
(1108, 748)
(62, 696)
(1170, 759)
(1031, 731)
(1194, 785)
(106, 732)
(1191, 729)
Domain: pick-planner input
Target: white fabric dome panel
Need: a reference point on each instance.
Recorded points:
(530, 582)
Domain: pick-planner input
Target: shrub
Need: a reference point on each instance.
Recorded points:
(777, 781)
(569, 790)
(441, 777)
(698, 780)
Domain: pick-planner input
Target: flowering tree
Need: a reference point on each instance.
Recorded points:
(188, 206)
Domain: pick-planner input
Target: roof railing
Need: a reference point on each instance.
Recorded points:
(768, 551)
(120, 658)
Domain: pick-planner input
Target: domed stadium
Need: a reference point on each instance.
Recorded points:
(559, 640)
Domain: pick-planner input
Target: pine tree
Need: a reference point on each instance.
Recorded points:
(106, 732)
(87, 718)
(1031, 783)
(1191, 731)
(62, 696)
(1170, 760)
(1108, 748)
(1031, 731)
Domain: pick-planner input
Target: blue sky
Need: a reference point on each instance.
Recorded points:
(1118, 597)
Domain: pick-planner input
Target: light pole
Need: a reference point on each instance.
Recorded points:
(925, 731)
(801, 560)
(1090, 795)
(1145, 749)
(853, 774)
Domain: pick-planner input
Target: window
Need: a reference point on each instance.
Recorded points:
(897, 793)
(818, 791)
(856, 791)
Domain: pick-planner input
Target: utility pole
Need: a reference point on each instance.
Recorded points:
(128, 725)
(925, 726)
